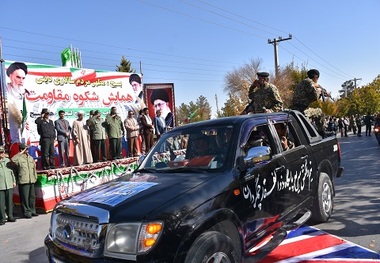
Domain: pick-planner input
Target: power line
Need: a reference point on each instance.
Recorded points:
(248, 25)
(200, 19)
(193, 17)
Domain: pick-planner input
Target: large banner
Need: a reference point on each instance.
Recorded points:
(161, 97)
(33, 87)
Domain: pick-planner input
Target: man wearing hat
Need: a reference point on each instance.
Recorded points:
(15, 93)
(264, 96)
(26, 178)
(46, 130)
(81, 139)
(115, 132)
(7, 183)
(97, 126)
(160, 101)
(307, 91)
(88, 123)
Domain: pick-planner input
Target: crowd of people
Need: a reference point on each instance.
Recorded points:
(20, 170)
(89, 139)
(357, 124)
(89, 136)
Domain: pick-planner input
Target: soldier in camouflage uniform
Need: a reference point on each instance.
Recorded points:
(307, 91)
(264, 96)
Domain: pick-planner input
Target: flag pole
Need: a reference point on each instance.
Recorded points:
(3, 115)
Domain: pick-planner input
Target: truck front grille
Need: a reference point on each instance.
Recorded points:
(79, 235)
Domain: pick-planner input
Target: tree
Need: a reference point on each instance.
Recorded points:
(286, 81)
(193, 112)
(239, 80)
(125, 66)
(232, 106)
(204, 109)
(361, 100)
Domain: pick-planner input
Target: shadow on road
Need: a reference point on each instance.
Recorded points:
(38, 255)
(357, 200)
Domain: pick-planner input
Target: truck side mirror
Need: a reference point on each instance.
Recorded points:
(255, 155)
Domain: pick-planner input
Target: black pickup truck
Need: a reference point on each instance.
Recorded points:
(223, 190)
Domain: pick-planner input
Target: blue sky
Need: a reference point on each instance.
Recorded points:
(195, 43)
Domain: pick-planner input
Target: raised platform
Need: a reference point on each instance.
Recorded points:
(56, 184)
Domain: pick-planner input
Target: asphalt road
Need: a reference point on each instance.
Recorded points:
(357, 203)
(356, 213)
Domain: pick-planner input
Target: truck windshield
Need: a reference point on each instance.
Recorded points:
(191, 150)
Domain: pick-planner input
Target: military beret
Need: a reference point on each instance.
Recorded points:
(2, 149)
(44, 110)
(159, 94)
(92, 112)
(22, 146)
(263, 74)
(15, 66)
(312, 73)
(134, 77)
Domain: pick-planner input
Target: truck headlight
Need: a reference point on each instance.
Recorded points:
(122, 238)
(132, 238)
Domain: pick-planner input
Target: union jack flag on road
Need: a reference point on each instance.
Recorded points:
(311, 245)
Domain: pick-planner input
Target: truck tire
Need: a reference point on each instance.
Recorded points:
(212, 247)
(323, 202)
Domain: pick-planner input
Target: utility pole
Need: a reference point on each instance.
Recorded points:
(348, 87)
(355, 79)
(274, 42)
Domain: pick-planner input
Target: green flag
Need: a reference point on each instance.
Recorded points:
(66, 57)
(192, 115)
(24, 114)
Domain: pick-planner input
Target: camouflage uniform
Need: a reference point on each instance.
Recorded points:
(264, 97)
(304, 94)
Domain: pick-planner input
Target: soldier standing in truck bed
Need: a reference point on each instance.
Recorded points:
(264, 96)
(307, 91)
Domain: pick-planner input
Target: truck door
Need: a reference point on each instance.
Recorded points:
(295, 182)
(263, 204)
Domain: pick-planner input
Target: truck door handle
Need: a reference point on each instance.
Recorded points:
(279, 169)
(304, 157)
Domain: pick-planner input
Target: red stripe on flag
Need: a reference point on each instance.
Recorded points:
(301, 247)
(339, 261)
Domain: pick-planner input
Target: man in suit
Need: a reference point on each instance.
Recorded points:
(148, 129)
(63, 137)
(132, 128)
(159, 124)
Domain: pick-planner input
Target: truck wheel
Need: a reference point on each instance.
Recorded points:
(212, 247)
(323, 204)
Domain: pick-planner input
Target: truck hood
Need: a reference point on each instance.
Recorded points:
(138, 195)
